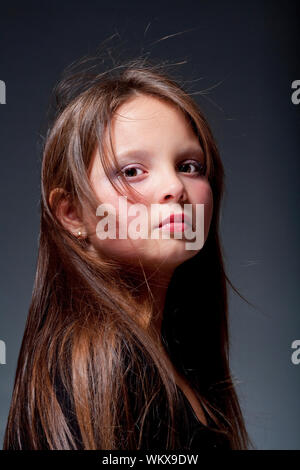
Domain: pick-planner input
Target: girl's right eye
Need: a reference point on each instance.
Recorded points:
(130, 172)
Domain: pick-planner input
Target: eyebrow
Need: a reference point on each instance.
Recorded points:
(191, 152)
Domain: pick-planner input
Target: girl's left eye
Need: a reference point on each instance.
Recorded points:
(198, 165)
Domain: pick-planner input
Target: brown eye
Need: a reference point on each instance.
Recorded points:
(131, 172)
(186, 167)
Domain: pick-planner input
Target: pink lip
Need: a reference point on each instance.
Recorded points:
(175, 221)
(174, 227)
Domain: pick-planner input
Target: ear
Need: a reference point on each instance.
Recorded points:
(67, 212)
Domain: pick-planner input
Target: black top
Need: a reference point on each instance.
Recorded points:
(192, 433)
(198, 436)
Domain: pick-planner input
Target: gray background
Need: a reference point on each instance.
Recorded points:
(248, 54)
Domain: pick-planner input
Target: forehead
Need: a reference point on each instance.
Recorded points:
(146, 120)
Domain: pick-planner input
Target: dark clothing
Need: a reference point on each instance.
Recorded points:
(198, 436)
(192, 434)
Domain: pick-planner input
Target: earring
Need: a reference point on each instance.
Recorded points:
(80, 234)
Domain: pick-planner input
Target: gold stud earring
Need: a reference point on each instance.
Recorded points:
(80, 234)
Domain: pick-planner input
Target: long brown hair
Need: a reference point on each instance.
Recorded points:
(85, 329)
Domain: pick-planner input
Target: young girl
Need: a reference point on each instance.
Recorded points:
(126, 341)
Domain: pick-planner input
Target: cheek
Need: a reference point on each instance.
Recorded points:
(119, 247)
(203, 195)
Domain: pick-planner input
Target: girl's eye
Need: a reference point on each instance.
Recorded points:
(200, 168)
(131, 172)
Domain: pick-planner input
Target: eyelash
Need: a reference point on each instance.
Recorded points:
(200, 171)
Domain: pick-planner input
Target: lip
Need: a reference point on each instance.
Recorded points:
(175, 219)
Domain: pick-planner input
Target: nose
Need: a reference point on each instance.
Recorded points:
(173, 190)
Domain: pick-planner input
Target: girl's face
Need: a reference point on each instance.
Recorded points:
(162, 159)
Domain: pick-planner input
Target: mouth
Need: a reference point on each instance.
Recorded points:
(175, 223)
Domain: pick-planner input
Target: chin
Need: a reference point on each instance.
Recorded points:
(173, 256)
